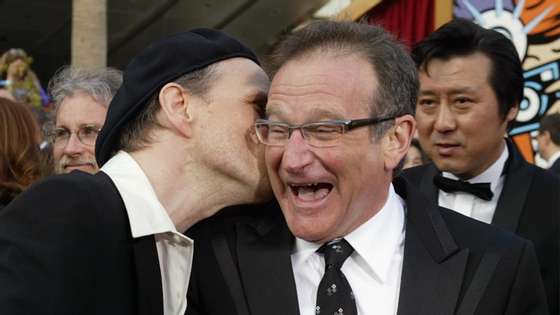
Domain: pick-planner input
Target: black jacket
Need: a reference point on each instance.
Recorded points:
(452, 264)
(529, 206)
(66, 248)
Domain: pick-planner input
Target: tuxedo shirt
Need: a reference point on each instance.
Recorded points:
(373, 270)
(470, 205)
(148, 217)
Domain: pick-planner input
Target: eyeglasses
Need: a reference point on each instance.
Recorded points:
(319, 134)
(86, 135)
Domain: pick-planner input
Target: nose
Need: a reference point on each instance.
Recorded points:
(445, 119)
(297, 154)
(73, 146)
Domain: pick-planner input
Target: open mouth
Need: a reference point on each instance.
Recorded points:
(311, 191)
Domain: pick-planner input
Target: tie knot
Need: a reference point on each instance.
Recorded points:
(336, 252)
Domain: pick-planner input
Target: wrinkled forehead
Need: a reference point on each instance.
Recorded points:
(80, 109)
(329, 85)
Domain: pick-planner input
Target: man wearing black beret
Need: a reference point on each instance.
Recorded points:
(177, 146)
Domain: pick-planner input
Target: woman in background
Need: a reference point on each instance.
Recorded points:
(20, 157)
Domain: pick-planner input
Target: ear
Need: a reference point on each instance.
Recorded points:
(512, 113)
(397, 141)
(174, 101)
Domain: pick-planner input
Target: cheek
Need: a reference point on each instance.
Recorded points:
(57, 152)
(90, 151)
(423, 124)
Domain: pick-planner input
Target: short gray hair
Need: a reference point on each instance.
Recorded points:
(136, 134)
(101, 84)
(396, 72)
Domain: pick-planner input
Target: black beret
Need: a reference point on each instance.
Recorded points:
(162, 62)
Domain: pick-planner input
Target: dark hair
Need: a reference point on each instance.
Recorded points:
(20, 159)
(460, 38)
(136, 134)
(396, 73)
(551, 123)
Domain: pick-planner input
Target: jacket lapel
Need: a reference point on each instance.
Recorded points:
(265, 267)
(518, 180)
(148, 276)
(433, 266)
(427, 186)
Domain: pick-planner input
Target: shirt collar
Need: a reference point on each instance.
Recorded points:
(146, 214)
(374, 242)
(490, 175)
(553, 159)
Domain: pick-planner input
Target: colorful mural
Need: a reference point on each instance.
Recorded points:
(534, 28)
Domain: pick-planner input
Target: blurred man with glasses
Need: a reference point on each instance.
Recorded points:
(81, 99)
(346, 236)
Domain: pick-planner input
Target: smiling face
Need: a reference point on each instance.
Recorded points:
(326, 193)
(75, 112)
(457, 115)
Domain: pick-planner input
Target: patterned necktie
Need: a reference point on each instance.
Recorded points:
(334, 295)
(481, 190)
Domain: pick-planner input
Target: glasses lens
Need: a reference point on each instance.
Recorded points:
(60, 136)
(88, 134)
(271, 133)
(323, 134)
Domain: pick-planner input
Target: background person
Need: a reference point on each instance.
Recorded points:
(81, 98)
(471, 85)
(549, 141)
(21, 163)
(415, 156)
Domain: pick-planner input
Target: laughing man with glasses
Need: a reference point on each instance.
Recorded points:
(347, 235)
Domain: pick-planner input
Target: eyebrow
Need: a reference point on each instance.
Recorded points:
(458, 90)
(316, 114)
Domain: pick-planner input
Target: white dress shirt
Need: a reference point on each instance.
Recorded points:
(471, 205)
(552, 159)
(373, 270)
(148, 217)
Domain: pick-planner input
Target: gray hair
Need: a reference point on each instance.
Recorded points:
(396, 72)
(100, 84)
(136, 134)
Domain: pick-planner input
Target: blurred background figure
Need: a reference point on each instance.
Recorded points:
(549, 142)
(81, 98)
(21, 162)
(19, 80)
(415, 155)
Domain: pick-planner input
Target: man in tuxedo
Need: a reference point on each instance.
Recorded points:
(342, 237)
(471, 85)
(549, 141)
(178, 131)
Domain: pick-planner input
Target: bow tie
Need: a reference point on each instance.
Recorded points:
(481, 190)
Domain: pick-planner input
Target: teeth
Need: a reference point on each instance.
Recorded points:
(310, 192)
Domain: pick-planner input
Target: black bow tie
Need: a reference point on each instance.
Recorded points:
(481, 190)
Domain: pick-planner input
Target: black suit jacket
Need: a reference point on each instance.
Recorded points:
(452, 264)
(529, 206)
(555, 167)
(66, 248)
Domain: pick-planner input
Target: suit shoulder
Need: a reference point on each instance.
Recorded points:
(478, 235)
(415, 174)
(60, 200)
(228, 217)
